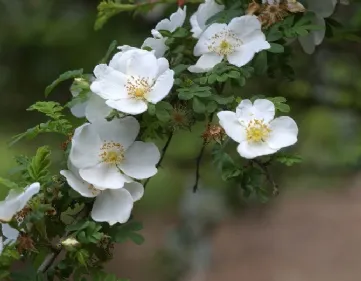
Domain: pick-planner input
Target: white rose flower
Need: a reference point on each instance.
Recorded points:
(236, 42)
(253, 126)
(16, 201)
(132, 79)
(93, 108)
(322, 9)
(157, 42)
(111, 205)
(107, 154)
(206, 10)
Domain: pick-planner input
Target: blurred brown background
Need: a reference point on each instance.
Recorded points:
(310, 232)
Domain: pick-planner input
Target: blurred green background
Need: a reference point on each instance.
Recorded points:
(40, 39)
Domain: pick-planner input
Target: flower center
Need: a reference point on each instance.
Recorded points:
(138, 88)
(224, 43)
(111, 153)
(257, 131)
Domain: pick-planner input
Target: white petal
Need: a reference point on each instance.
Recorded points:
(135, 189)
(252, 150)
(16, 201)
(204, 12)
(9, 207)
(112, 206)
(261, 109)
(28, 193)
(78, 184)
(176, 20)
(123, 131)
(1, 245)
(78, 110)
(243, 54)
(109, 83)
(322, 7)
(207, 38)
(130, 106)
(264, 109)
(96, 109)
(196, 29)
(163, 66)
(85, 147)
(104, 175)
(241, 57)
(284, 132)
(157, 44)
(143, 64)
(244, 25)
(205, 63)
(161, 87)
(319, 35)
(140, 160)
(120, 59)
(307, 43)
(10, 233)
(230, 123)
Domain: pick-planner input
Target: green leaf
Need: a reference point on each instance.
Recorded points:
(223, 100)
(198, 106)
(179, 68)
(151, 109)
(136, 238)
(38, 168)
(276, 48)
(61, 126)
(180, 32)
(49, 108)
(274, 34)
(185, 95)
(260, 63)
(9, 184)
(162, 115)
(111, 49)
(288, 159)
(63, 77)
(211, 107)
(224, 16)
(121, 233)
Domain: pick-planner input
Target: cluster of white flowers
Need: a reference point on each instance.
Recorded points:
(107, 163)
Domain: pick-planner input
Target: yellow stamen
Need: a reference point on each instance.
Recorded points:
(257, 131)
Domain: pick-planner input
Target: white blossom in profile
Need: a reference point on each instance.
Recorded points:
(110, 205)
(107, 155)
(133, 79)
(16, 201)
(205, 11)
(256, 130)
(322, 9)
(92, 107)
(236, 42)
(157, 42)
